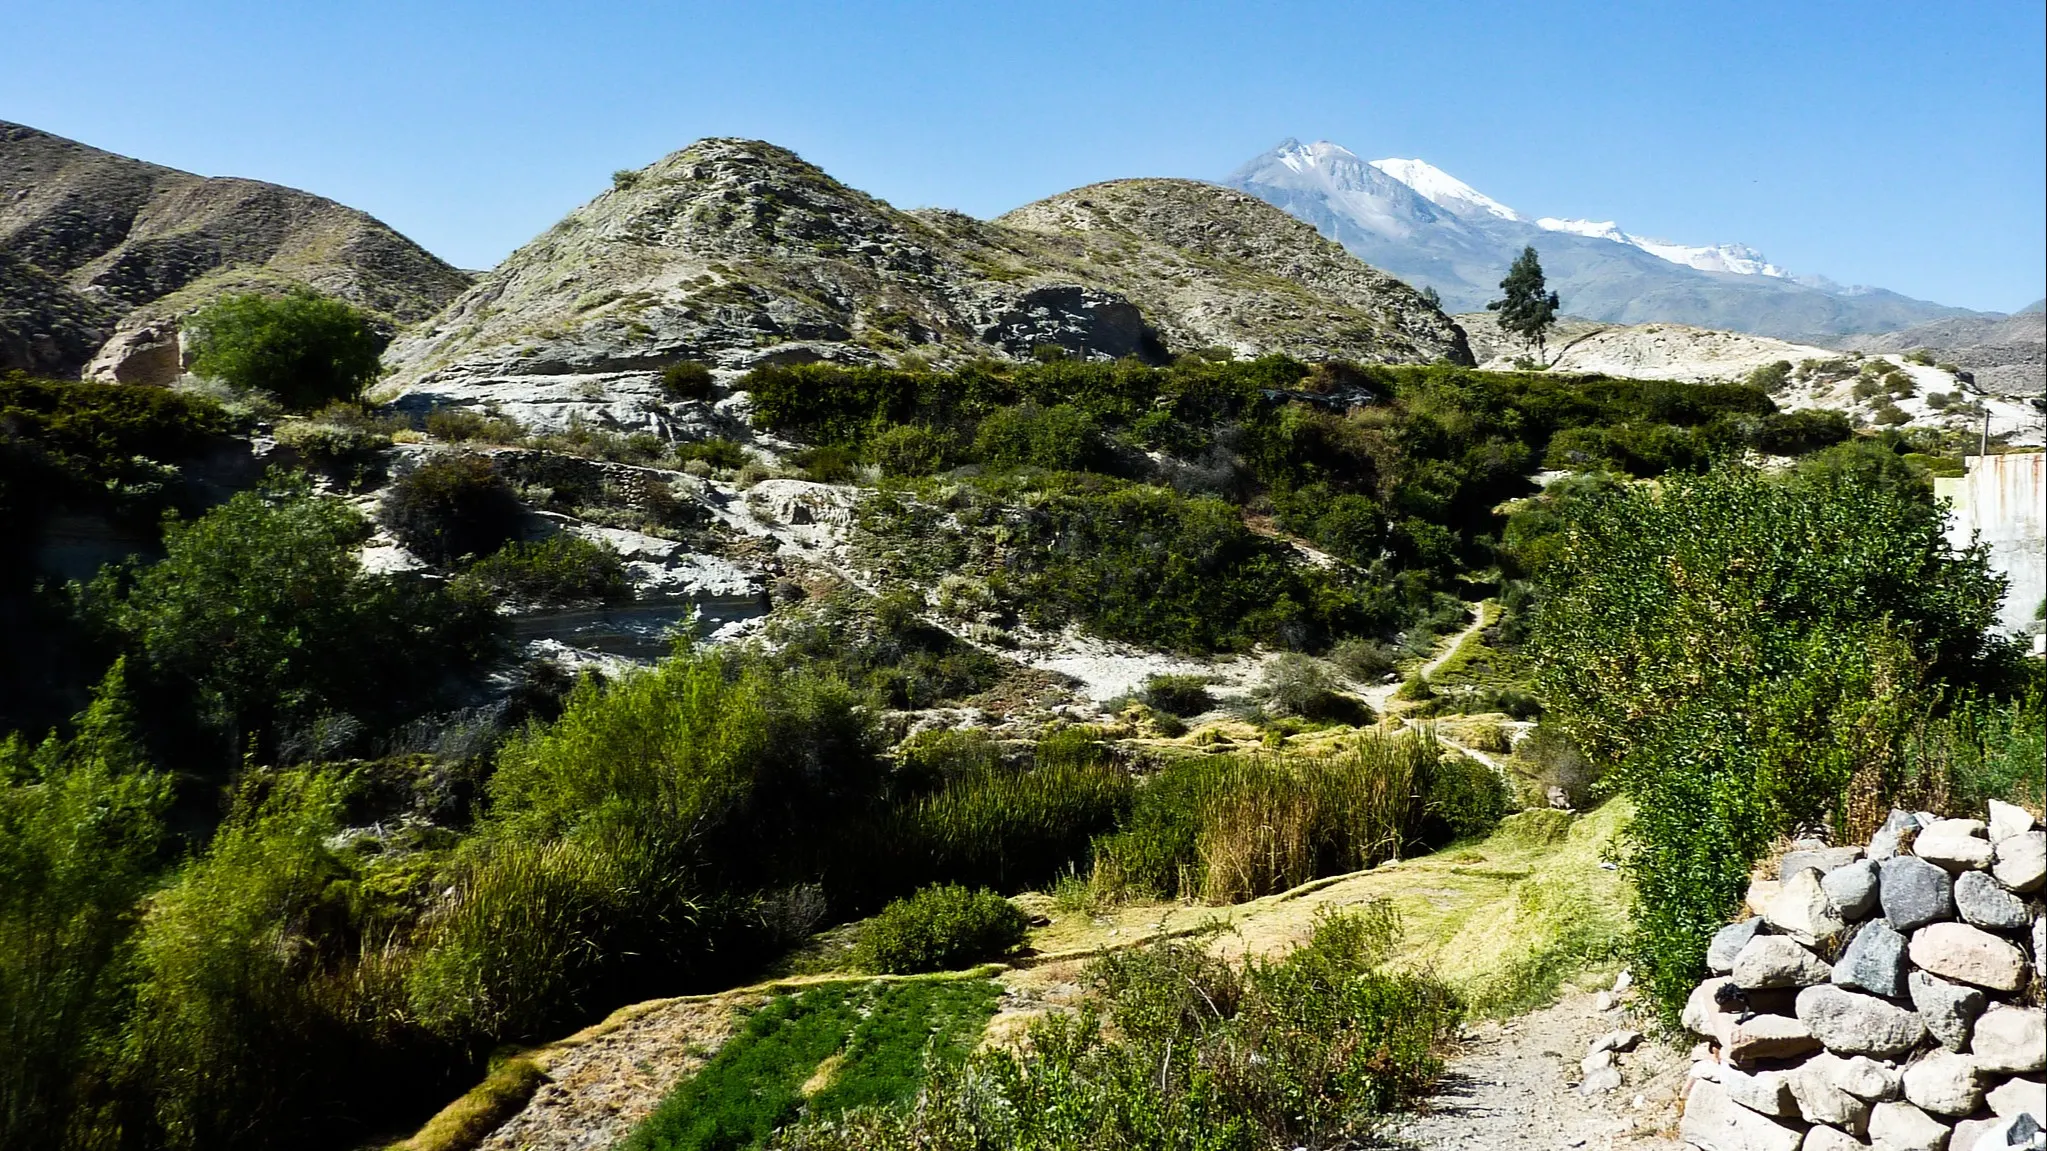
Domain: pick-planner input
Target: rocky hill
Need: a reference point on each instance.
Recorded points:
(2006, 354)
(92, 242)
(739, 253)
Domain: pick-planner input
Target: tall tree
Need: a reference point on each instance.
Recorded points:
(1526, 309)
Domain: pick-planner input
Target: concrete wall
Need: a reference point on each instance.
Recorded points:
(2003, 501)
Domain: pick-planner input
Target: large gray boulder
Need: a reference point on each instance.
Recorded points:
(1874, 961)
(2010, 1040)
(1820, 859)
(1777, 961)
(1853, 889)
(1855, 1024)
(1914, 893)
(1984, 902)
(1949, 1010)
(1967, 954)
(1714, 1122)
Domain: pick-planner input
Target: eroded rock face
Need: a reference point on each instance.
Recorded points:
(145, 354)
(738, 254)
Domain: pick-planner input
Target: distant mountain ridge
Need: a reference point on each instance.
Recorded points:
(1434, 230)
(91, 241)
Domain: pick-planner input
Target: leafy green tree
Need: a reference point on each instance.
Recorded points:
(1737, 650)
(81, 829)
(261, 617)
(306, 349)
(1526, 310)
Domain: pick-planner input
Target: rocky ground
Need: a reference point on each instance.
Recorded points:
(1523, 1084)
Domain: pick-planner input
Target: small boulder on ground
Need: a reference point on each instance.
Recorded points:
(1904, 1127)
(1820, 859)
(1943, 1083)
(2007, 820)
(1772, 1037)
(2016, 1097)
(1954, 844)
(1728, 942)
(2010, 1039)
(1714, 1122)
(1801, 910)
(1852, 888)
(2021, 861)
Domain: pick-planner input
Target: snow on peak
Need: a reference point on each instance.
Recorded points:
(1319, 155)
(1444, 190)
(1739, 259)
(1597, 229)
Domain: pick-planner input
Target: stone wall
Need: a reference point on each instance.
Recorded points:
(1882, 997)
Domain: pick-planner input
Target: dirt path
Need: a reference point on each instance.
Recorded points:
(1513, 1086)
(1380, 696)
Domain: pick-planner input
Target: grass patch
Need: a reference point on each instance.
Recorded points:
(849, 1044)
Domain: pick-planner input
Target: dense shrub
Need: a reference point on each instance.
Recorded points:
(1743, 655)
(560, 569)
(939, 928)
(1294, 684)
(460, 425)
(1466, 800)
(687, 380)
(1059, 438)
(452, 506)
(912, 450)
(1182, 695)
(81, 829)
(259, 621)
(306, 349)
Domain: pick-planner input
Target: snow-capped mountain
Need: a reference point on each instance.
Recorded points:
(1425, 225)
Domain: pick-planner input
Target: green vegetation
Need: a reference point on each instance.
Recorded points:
(560, 569)
(306, 349)
(1183, 695)
(451, 507)
(1224, 829)
(687, 380)
(871, 1044)
(940, 927)
(1743, 654)
(1526, 309)
(1179, 1049)
(260, 624)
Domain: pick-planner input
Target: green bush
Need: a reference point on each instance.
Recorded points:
(717, 452)
(259, 622)
(939, 928)
(1734, 651)
(306, 349)
(1363, 659)
(912, 450)
(827, 465)
(1771, 378)
(450, 507)
(1182, 695)
(1294, 684)
(1466, 800)
(333, 447)
(81, 832)
(687, 380)
(1057, 438)
(460, 425)
(560, 569)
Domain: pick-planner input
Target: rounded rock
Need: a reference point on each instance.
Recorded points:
(1854, 1024)
(2018, 1097)
(1984, 902)
(1874, 961)
(1949, 1010)
(2010, 1040)
(1852, 888)
(1943, 1083)
(1778, 961)
(1968, 954)
(1728, 942)
(1914, 893)
(2021, 861)
(1903, 1127)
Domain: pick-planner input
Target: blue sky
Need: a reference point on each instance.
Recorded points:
(1895, 144)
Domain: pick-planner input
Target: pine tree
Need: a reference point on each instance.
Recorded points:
(1526, 310)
